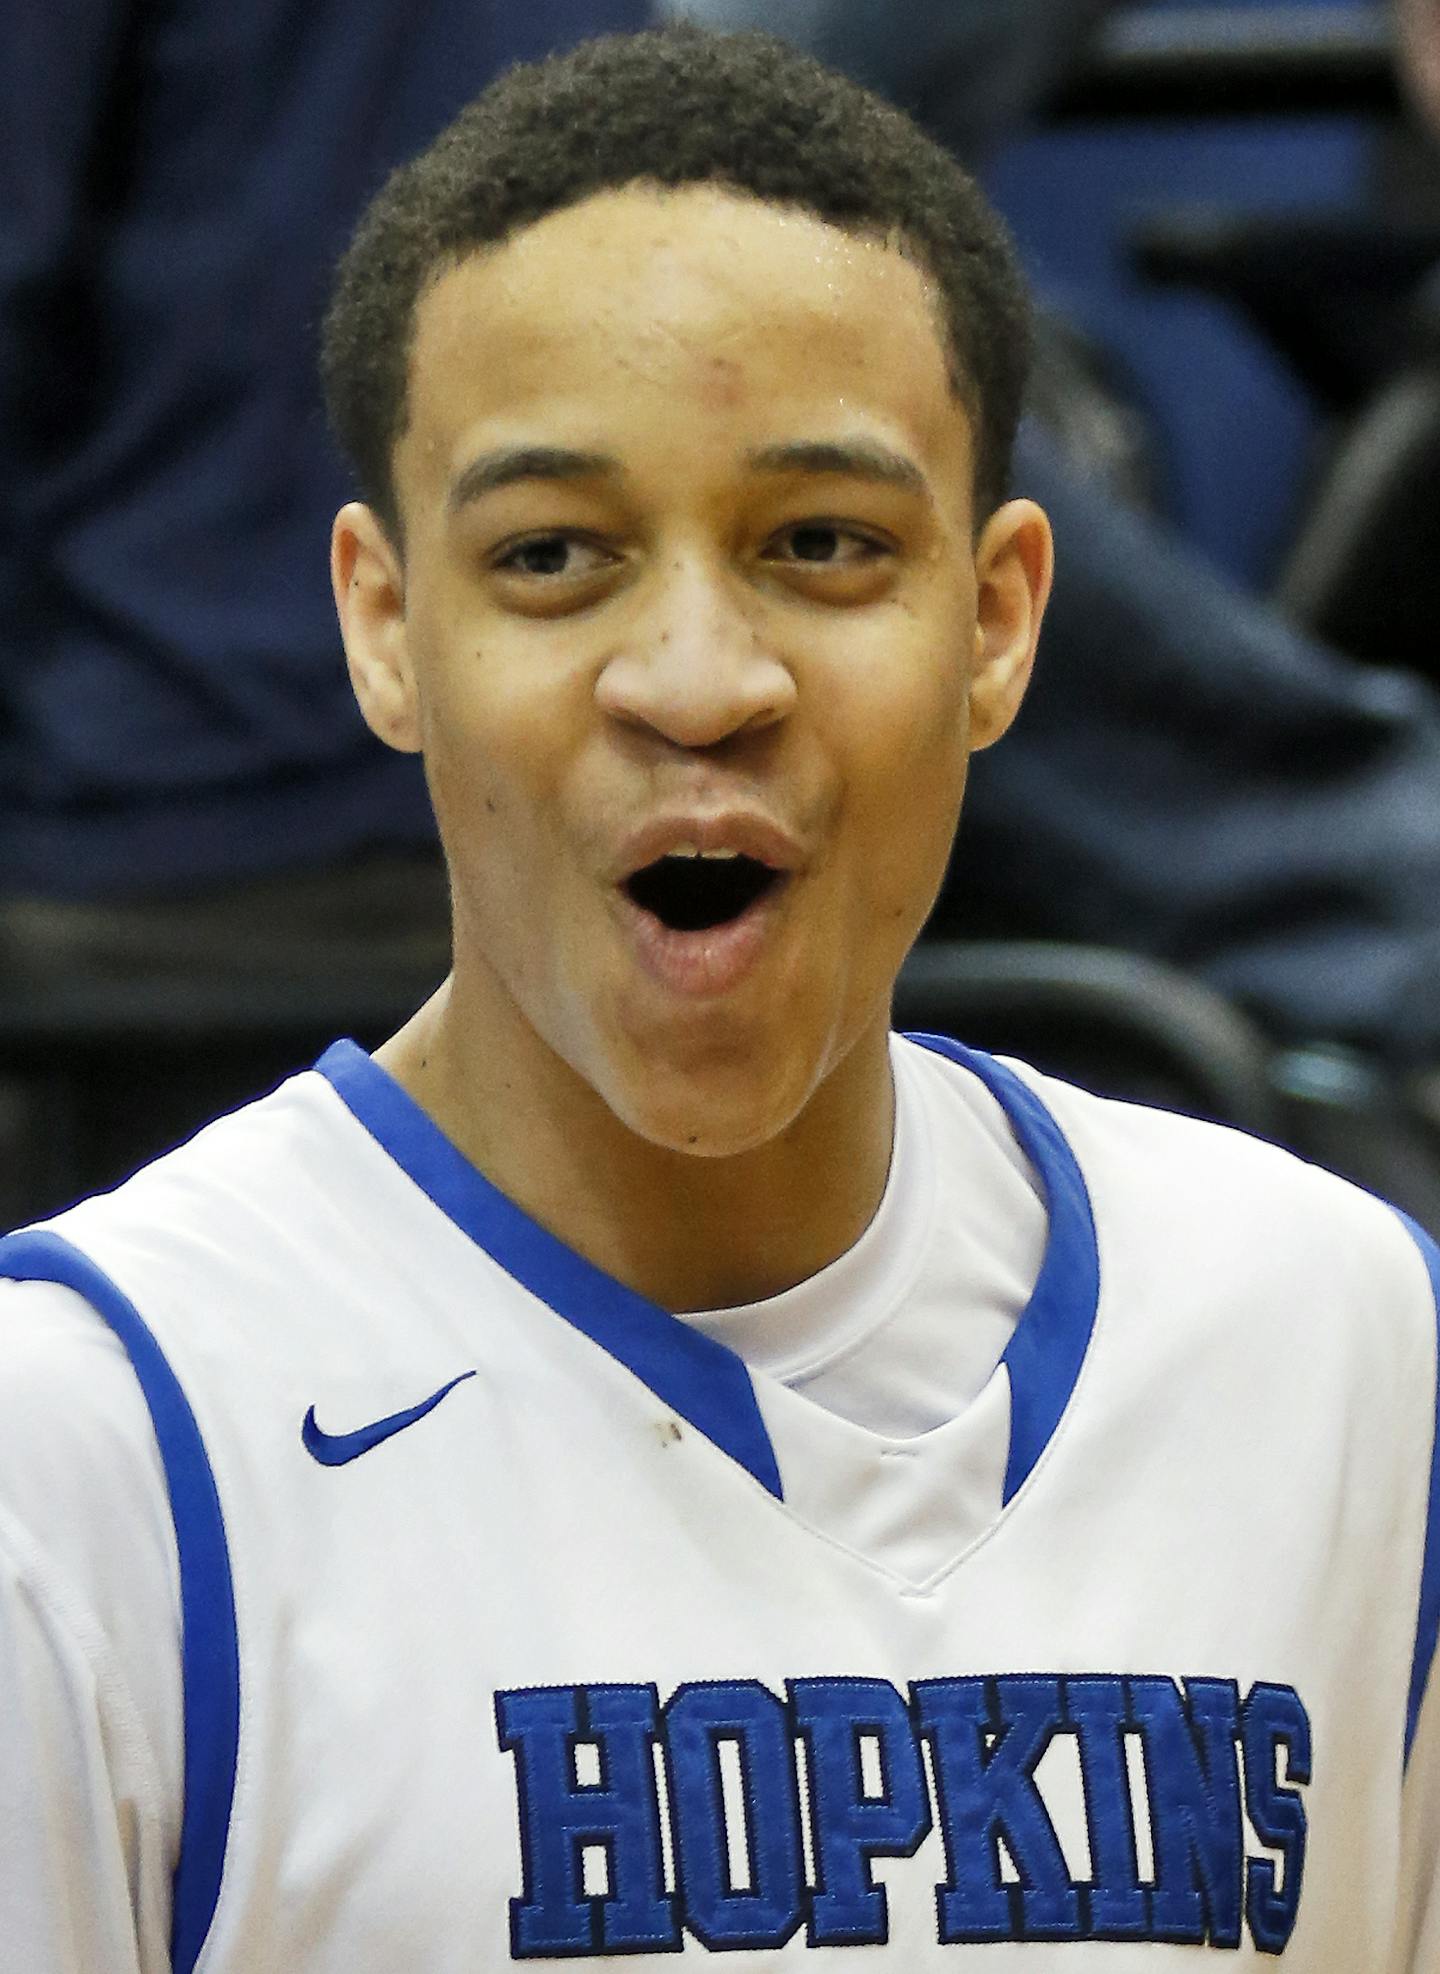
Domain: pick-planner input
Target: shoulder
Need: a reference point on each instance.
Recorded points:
(288, 1237)
(106, 1313)
(287, 1205)
(276, 1160)
(1281, 1269)
(76, 1450)
(1178, 1200)
(1222, 1181)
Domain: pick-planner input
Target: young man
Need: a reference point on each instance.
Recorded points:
(1020, 1536)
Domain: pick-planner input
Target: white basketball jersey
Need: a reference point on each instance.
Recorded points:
(508, 1637)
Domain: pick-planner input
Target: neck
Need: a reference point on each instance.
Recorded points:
(687, 1232)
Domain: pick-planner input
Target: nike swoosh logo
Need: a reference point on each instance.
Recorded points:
(334, 1449)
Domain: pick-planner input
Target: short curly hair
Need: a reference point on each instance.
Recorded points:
(672, 106)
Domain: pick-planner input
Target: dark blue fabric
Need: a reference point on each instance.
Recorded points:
(1427, 1622)
(178, 180)
(970, 71)
(1049, 1342)
(702, 1380)
(1190, 779)
(210, 1654)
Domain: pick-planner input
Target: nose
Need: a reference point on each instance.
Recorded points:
(694, 666)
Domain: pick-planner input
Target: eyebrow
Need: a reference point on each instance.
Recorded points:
(860, 459)
(511, 463)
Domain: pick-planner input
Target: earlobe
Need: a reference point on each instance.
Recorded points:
(1014, 565)
(369, 583)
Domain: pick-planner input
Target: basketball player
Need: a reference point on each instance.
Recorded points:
(652, 1463)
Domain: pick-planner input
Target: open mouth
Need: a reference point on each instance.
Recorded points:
(695, 894)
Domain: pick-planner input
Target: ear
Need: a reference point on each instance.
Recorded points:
(369, 582)
(1014, 564)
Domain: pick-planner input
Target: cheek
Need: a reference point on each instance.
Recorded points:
(915, 725)
(916, 749)
(492, 728)
(490, 814)
(503, 765)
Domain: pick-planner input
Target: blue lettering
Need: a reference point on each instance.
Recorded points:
(697, 1720)
(1194, 1778)
(560, 1817)
(849, 1827)
(1275, 1718)
(1119, 1908)
(590, 1800)
(988, 1737)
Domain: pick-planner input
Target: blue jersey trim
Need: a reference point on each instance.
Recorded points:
(1427, 1623)
(704, 1381)
(1049, 1342)
(210, 1652)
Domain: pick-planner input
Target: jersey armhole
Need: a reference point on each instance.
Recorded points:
(210, 1653)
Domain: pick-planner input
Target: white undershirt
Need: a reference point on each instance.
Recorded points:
(903, 1331)
(877, 1378)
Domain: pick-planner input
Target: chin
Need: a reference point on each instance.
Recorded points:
(710, 1116)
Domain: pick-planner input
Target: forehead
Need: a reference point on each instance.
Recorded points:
(698, 308)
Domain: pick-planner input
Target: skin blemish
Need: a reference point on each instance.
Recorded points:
(722, 384)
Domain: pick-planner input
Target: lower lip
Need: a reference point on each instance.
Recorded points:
(703, 964)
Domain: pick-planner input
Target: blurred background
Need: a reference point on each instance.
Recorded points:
(1205, 868)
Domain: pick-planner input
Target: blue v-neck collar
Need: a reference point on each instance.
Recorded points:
(1048, 1344)
(701, 1380)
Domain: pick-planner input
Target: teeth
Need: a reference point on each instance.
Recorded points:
(709, 856)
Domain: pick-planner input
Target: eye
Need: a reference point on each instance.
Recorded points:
(553, 555)
(823, 544)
